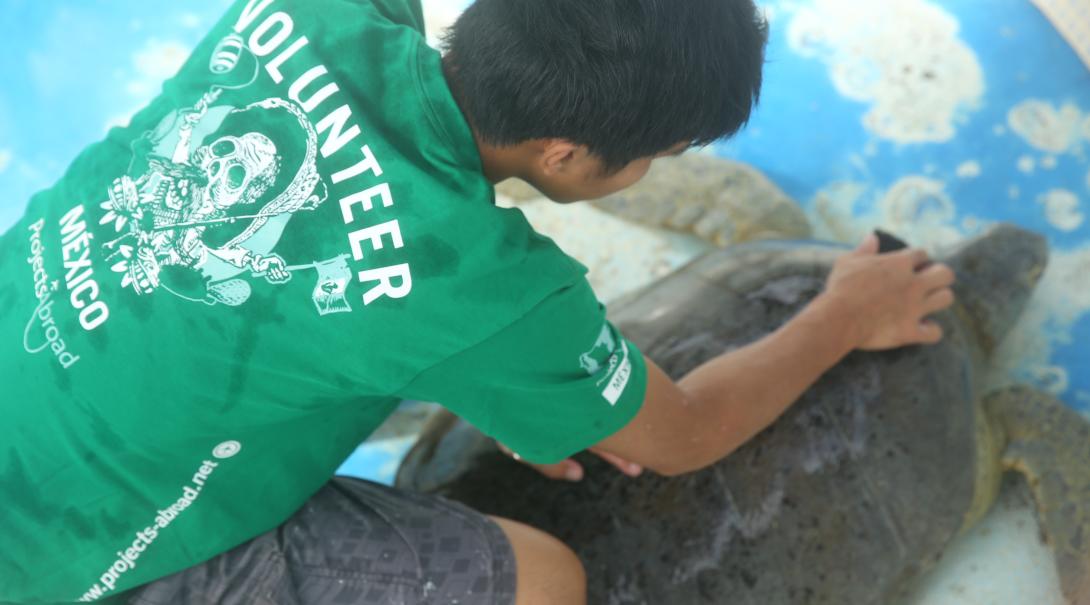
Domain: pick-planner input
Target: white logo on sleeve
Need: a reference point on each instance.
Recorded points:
(619, 379)
(620, 367)
(602, 347)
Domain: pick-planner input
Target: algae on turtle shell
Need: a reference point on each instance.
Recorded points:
(852, 494)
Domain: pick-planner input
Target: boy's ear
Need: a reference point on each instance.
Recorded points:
(558, 154)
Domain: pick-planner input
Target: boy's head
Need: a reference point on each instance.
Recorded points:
(583, 94)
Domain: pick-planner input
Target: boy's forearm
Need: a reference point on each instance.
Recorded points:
(738, 394)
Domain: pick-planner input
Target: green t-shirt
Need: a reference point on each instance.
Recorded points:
(217, 303)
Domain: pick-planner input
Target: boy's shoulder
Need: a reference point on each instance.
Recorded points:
(402, 12)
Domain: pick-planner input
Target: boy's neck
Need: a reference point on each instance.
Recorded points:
(497, 163)
(502, 163)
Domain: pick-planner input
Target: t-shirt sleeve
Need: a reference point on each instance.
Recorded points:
(556, 381)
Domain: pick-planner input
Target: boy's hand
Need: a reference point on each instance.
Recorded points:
(884, 299)
(570, 470)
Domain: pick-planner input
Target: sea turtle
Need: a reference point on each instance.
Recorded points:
(719, 200)
(847, 498)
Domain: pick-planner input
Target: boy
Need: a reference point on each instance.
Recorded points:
(216, 304)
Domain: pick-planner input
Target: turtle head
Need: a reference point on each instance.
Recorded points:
(997, 273)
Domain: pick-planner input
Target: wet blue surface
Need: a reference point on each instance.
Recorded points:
(70, 67)
(806, 135)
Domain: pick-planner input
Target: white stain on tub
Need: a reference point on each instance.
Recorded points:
(190, 20)
(845, 211)
(1048, 128)
(904, 57)
(439, 15)
(621, 255)
(1052, 379)
(157, 60)
(972, 224)
(153, 63)
(1026, 164)
(1061, 300)
(1062, 209)
(916, 208)
(969, 170)
(916, 199)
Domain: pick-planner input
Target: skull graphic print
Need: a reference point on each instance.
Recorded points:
(202, 218)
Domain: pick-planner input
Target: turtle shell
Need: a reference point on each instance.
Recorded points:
(851, 493)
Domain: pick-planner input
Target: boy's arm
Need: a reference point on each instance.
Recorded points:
(871, 302)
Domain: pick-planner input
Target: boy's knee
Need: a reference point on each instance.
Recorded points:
(549, 573)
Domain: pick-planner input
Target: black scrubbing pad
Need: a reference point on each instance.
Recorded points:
(888, 242)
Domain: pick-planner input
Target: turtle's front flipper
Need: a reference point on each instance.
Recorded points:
(721, 201)
(1049, 443)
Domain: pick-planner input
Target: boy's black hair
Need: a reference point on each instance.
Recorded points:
(627, 78)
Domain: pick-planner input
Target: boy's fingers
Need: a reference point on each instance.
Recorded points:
(938, 300)
(568, 470)
(919, 258)
(629, 468)
(938, 276)
(868, 246)
(930, 332)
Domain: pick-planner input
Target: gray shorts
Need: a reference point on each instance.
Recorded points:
(356, 542)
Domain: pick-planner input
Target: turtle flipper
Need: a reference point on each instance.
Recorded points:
(444, 451)
(1049, 444)
(721, 201)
